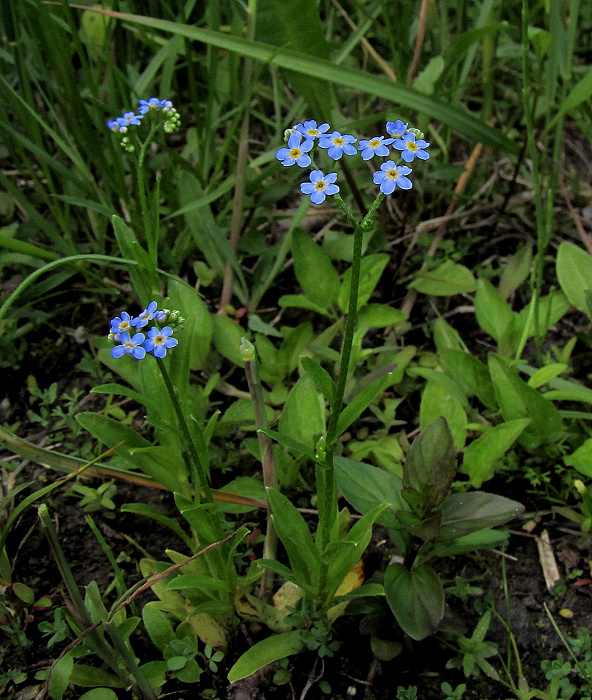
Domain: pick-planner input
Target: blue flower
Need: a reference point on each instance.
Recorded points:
(130, 346)
(159, 341)
(128, 119)
(375, 147)
(296, 152)
(396, 129)
(319, 186)
(310, 130)
(390, 176)
(412, 148)
(122, 323)
(146, 315)
(147, 105)
(113, 125)
(338, 144)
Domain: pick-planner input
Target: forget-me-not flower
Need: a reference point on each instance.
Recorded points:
(396, 129)
(130, 346)
(129, 119)
(411, 148)
(146, 315)
(390, 176)
(310, 130)
(159, 341)
(338, 144)
(375, 147)
(320, 186)
(122, 323)
(296, 152)
(148, 105)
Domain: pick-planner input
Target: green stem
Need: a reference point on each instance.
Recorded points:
(325, 471)
(151, 235)
(190, 453)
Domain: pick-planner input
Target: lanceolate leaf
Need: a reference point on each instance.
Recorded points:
(265, 652)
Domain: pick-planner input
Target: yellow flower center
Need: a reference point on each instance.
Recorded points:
(129, 344)
(295, 153)
(158, 339)
(412, 146)
(320, 185)
(374, 143)
(338, 141)
(124, 326)
(392, 174)
(313, 132)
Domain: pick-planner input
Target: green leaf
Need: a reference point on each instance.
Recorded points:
(517, 400)
(482, 539)
(515, 271)
(580, 92)
(416, 598)
(143, 276)
(371, 269)
(342, 561)
(99, 694)
(446, 280)
(545, 374)
(60, 676)
(115, 389)
(110, 432)
(549, 310)
(158, 627)
(493, 313)
(470, 374)
(380, 316)
(482, 454)
(303, 417)
(265, 652)
(431, 464)
(298, 301)
(289, 442)
(581, 459)
(464, 513)
(295, 536)
(574, 272)
(365, 487)
(361, 401)
(436, 401)
(90, 676)
(321, 378)
(227, 336)
(315, 273)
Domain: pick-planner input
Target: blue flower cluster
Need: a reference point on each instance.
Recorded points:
(302, 138)
(152, 106)
(159, 338)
